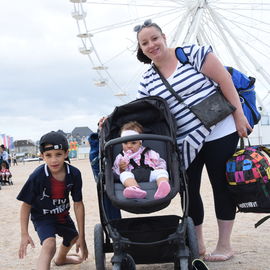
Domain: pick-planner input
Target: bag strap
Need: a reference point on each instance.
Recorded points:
(242, 142)
(168, 86)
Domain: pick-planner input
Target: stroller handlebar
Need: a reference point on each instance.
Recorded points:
(138, 137)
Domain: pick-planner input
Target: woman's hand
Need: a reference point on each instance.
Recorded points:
(101, 121)
(242, 124)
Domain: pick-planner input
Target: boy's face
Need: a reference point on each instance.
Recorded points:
(55, 159)
(133, 146)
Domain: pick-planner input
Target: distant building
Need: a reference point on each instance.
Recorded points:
(28, 147)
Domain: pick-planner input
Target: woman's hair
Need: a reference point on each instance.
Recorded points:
(140, 55)
(132, 125)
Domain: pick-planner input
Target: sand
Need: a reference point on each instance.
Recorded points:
(251, 245)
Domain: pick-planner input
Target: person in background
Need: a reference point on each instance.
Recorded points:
(4, 154)
(111, 211)
(14, 159)
(45, 196)
(198, 145)
(5, 173)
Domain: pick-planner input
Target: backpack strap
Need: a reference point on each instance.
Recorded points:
(181, 56)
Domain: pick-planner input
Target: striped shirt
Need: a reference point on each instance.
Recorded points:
(193, 86)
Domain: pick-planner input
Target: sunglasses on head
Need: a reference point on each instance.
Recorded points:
(139, 27)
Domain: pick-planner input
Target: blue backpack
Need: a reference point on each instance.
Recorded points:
(244, 85)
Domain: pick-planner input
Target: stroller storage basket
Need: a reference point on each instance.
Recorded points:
(152, 229)
(152, 241)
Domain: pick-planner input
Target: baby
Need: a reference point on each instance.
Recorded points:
(5, 172)
(132, 154)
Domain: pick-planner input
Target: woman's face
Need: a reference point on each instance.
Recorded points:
(152, 42)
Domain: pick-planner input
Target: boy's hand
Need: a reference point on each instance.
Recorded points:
(25, 241)
(81, 245)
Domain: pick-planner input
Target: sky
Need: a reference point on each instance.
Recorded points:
(45, 83)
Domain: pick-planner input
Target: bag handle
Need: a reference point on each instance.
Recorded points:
(168, 86)
(242, 142)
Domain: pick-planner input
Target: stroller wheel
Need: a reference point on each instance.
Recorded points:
(98, 245)
(126, 264)
(192, 240)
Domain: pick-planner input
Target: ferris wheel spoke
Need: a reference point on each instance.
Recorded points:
(131, 21)
(238, 31)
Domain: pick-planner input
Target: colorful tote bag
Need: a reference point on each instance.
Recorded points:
(248, 177)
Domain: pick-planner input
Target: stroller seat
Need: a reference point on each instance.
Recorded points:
(149, 187)
(115, 189)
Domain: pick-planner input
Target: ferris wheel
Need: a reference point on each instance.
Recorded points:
(239, 33)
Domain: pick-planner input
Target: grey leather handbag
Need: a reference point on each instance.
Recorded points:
(209, 111)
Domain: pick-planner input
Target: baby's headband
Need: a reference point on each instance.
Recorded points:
(129, 133)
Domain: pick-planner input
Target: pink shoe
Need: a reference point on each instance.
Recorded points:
(163, 190)
(134, 193)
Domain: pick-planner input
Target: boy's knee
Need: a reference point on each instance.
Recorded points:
(49, 245)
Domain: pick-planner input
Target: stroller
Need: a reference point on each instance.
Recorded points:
(147, 239)
(5, 174)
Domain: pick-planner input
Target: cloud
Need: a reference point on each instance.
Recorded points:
(45, 83)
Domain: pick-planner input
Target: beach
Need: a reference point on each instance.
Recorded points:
(250, 244)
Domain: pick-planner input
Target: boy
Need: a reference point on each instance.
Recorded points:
(46, 196)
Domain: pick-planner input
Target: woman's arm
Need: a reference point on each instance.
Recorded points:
(80, 217)
(214, 69)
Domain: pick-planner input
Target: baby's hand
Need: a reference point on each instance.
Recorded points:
(123, 165)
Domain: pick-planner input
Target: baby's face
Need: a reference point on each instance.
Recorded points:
(133, 146)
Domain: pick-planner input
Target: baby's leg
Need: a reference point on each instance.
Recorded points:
(46, 254)
(63, 258)
(164, 187)
(128, 179)
(132, 190)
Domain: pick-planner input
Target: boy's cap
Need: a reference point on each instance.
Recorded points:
(56, 139)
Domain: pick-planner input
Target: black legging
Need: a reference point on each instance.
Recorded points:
(213, 155)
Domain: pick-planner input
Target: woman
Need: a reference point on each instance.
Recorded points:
(199, 145)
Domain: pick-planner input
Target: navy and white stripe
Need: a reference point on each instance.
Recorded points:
(193, 87)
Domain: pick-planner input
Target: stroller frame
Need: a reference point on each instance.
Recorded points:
(142, 240)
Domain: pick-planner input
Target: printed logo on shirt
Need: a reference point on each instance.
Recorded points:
(44, 195)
